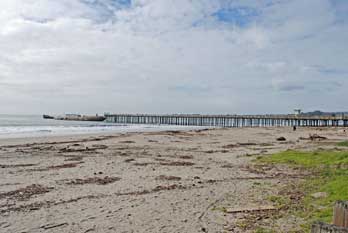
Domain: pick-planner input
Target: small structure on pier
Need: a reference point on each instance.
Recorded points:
(298, 112)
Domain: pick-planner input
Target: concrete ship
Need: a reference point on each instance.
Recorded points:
(75, 117)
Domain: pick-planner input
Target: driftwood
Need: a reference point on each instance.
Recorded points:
(250, 209)
(340, 217)
(320, 227)
(50, 226)
(340, 220)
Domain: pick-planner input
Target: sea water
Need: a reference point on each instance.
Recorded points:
(18, 126)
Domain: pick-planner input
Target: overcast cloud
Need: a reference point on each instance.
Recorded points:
(173, 56)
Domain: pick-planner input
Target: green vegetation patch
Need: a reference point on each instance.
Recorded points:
(316, 159)
(327, 184)
(343, 143)
(263, 230)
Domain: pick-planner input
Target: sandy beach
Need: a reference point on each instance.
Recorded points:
(172, 181)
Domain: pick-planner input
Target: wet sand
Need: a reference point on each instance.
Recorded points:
(183, 181)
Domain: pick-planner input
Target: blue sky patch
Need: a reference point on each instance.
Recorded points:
(106, 9)
(341, 10)
(108, 2)
(240, 16)
(332, 71)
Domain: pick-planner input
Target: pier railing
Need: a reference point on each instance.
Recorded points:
(230, 120)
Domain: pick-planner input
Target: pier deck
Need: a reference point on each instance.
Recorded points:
(230, 120)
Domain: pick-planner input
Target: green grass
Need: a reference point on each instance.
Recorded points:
(343, 143)
(331, 177)
(314, 159)
(335, 184)
(263, 230)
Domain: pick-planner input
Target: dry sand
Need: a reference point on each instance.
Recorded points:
(191, 181)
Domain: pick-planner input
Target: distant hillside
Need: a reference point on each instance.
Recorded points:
(320, 113)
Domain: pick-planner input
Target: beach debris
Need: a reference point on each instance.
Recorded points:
(94, 180)
(53, 225)
(71, 149)
(161, 159)
(46, 204)
(154, 190)
(281, 139)
(152, 141)
(73, 158)
(170, 187)
(228, 166)
(9, 184)
(177, 163)
(250, 209)
(17, 165)
(164, 177)
(99, 147)
(128, 142)
(200, 130)
(317, 137)
(247, 144)
(129, 160)
(314, 137)
(4, 225)
(93, 229)
(65, 165)
(293, 193)
(209, 151)
(142, 164)
(172, 133)
(186, 157)
(266, 144)
(216, 151)
(26, 192)
(229, 146)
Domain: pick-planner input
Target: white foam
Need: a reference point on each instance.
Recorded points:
(39, 131)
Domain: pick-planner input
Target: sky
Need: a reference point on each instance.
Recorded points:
(173, 56)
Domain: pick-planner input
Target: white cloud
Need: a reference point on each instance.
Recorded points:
(170, 56)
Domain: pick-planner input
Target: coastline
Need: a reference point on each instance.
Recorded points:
(29, 138)
(165, 181)
(34, 126)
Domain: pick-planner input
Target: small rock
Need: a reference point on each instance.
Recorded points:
(319, 195)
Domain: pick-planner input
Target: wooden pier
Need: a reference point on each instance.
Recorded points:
(230, 120)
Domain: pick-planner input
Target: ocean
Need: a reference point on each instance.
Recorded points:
(21, 126)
